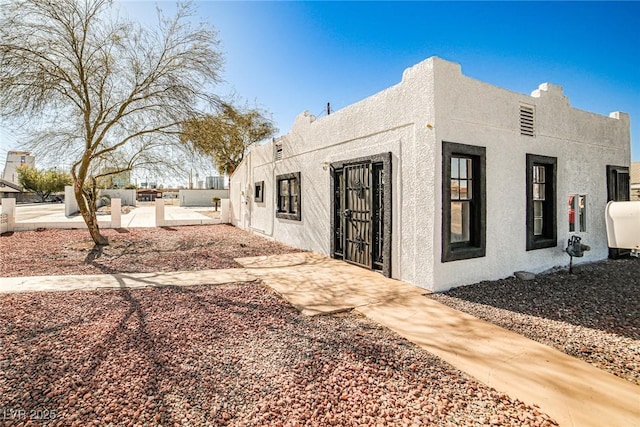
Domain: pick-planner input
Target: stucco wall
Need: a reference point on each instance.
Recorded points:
(393, 120)
(476, 113)
(70, 202)
(126, 196)
(200, 197)
(435, 102)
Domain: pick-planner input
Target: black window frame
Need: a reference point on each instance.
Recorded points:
(476, 246)
(290, 214)
(549, 236)
(618, 189)
(258, 192)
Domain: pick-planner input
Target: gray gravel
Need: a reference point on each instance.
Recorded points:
(593, 314)
(236, 355)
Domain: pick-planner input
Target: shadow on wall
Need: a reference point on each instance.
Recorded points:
(312, 232)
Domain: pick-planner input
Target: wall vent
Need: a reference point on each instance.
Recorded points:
(527, 120)
(278, 153)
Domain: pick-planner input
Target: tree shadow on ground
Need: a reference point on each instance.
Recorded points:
(95, 253)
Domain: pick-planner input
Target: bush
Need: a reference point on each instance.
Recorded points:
(105, 200)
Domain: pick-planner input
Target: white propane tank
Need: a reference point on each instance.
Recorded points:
(623, 225)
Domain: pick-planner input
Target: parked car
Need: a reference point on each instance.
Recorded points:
(55, 199)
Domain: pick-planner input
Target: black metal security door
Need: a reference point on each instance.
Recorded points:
(357, 214)
(361, 212)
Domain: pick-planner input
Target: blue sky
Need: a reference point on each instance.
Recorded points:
(288, 57)
(296, 56)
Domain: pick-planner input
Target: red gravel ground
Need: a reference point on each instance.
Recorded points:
(60, 252)
(235, 354)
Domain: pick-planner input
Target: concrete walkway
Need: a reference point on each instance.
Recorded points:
(569, 390)
(316, 284)
(122, 280)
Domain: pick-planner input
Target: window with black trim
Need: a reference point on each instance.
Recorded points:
(288, 191)
(463, 201)
(541, 202)
(258, 192)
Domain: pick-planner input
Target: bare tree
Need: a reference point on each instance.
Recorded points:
(110, 93)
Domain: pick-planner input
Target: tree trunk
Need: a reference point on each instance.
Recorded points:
(88, 210)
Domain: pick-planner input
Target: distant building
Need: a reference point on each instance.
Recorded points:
(214, 183)
(14, 160)
(9, 189)
(635, 181)
(148, 195)
(170, 193)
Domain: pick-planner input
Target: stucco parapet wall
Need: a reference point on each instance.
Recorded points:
(415, 72)
(619, 115)
(425, 68)
(404, 104)
(551, 90)
(557, 93)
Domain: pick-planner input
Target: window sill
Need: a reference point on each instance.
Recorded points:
(291, 216)
(461, 253)
(542, 243)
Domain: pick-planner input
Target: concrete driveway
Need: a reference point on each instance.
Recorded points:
(35, 210)
(52, 215)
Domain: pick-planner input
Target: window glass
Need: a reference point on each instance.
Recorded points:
(538, 199)
(461, 178)
(284, 195)
(538, 218)
(463, 168)
(464, 190)
(455, 189)
(460, 222)
(582, 202)
(539, 183)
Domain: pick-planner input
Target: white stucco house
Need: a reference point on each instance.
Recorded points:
(441, 180)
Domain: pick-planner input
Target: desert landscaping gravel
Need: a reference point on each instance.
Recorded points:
(238, 354)
(593, 314)
(234, 354)
(133, 250)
